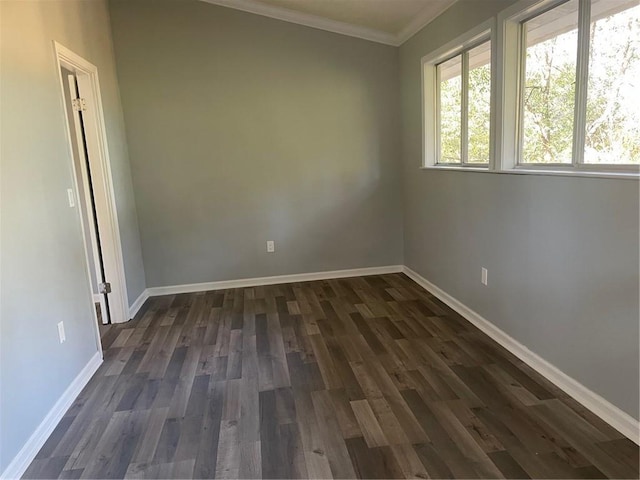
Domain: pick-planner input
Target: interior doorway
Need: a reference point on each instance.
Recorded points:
(93, 195)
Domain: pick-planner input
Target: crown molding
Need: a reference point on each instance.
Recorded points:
(424, 17)
(309, 20)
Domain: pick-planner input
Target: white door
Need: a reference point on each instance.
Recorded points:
(88, 207)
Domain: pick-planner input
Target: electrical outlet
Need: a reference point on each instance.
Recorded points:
(271, 246)
(483, 278)
(72, 198)
(61, 334)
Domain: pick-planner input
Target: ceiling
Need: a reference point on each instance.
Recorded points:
(385, 21)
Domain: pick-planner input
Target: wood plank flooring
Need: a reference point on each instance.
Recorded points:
(368, 377)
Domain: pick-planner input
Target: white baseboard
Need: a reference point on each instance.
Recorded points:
(621, 421)
(254, 282)
(135, 307)
(30, 449)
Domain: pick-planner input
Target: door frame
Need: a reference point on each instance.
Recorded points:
(100, 165)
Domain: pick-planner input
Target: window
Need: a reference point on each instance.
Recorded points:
(479, 104)
(612, 123)
(449, 76)
(464, 94)
(457, 102)
(548, 97)
(580, 64)
(564, 95)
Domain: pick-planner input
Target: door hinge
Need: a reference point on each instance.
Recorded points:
(79, 105)
(104, 287)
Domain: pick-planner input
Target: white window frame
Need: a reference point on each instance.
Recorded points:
(512, 52)
(430, 97)
(507, 50)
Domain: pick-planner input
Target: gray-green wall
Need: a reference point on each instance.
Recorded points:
(562, 253)
(244, 129)
(43, 277)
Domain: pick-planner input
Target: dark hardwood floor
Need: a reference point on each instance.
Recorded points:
(367, 377)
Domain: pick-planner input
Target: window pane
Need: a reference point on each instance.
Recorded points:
(450, 78)
(613, 96)
(549, 90)
(479, 103)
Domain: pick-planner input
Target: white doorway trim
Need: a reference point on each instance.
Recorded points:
(105, 206)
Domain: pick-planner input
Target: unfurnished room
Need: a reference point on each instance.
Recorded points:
(316, 239)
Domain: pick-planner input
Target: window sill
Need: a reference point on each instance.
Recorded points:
(575, 173)
(542, 172)
(456, 168)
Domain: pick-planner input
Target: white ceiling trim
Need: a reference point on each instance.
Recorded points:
(421, 20)
(335, 26)
(309, 20)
